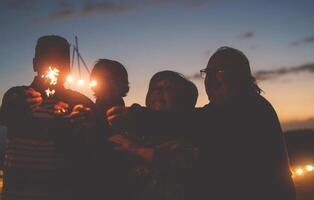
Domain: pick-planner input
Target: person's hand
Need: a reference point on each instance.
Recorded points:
(116, 115)
(78, 113)
(123, 143)
(61, 108)
(32, 98)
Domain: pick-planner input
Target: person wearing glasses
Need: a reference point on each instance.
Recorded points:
(242, 150)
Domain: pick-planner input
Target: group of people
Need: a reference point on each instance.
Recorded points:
(68, 147)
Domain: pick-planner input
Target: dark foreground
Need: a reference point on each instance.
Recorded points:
(304, 186)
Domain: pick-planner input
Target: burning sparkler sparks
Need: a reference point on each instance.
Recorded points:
(49, 92)
(69, 79)
(93, 84)
(309, 168)
(299, 171)
(303, 170)
(52, 75)
(80, 82)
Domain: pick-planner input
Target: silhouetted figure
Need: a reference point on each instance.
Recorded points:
(166, 162)
(170, 90)
(44, 148)
(242, 151)
(109, 169)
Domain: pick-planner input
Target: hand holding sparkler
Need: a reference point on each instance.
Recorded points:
(32, 98)
(61, 108)
(78, 113)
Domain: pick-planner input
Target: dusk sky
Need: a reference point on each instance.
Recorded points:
(148, 36)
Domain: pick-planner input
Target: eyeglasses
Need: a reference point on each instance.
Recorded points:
(206, 71)
(203, 73)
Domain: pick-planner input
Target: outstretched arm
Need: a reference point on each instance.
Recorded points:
(18, 103)
(140, 120)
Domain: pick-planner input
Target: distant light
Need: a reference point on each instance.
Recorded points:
(309, 168)
(299, 171)
(69, 79)
(93, 84)
(80, 82)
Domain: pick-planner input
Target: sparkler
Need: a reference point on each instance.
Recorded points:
(93, 84)
(52, 75)
(80, 82)
(50, 92)
(44, 110)
(69, 79)
(303, 170)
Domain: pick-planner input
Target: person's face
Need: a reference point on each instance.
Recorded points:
(214, 84)
(54, 60)
(162, 96)
(106, 87)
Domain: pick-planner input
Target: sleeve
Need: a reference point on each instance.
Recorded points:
(173, 156)
(74, 97)
(13, 107)
(275, 155)
(164, 124)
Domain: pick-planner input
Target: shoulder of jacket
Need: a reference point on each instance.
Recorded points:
(78, 97)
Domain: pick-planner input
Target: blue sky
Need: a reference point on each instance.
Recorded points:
(152, 35)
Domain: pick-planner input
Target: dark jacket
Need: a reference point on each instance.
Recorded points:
(109, 170)
(43, 156)
(242, 150)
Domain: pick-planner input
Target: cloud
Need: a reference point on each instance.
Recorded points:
(19, 4)
(292, 125)
(91, 8)
(246, 35)
(61, 14)
(272, 74)
(263, 75)
(106, 7)
(307, 40)
(193, 3)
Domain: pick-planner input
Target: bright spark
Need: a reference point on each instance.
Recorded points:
(50, 92)
(53, 74)
(69, 79)
(93, 84)
(299, 171)
(309, 168)
(80, 82)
